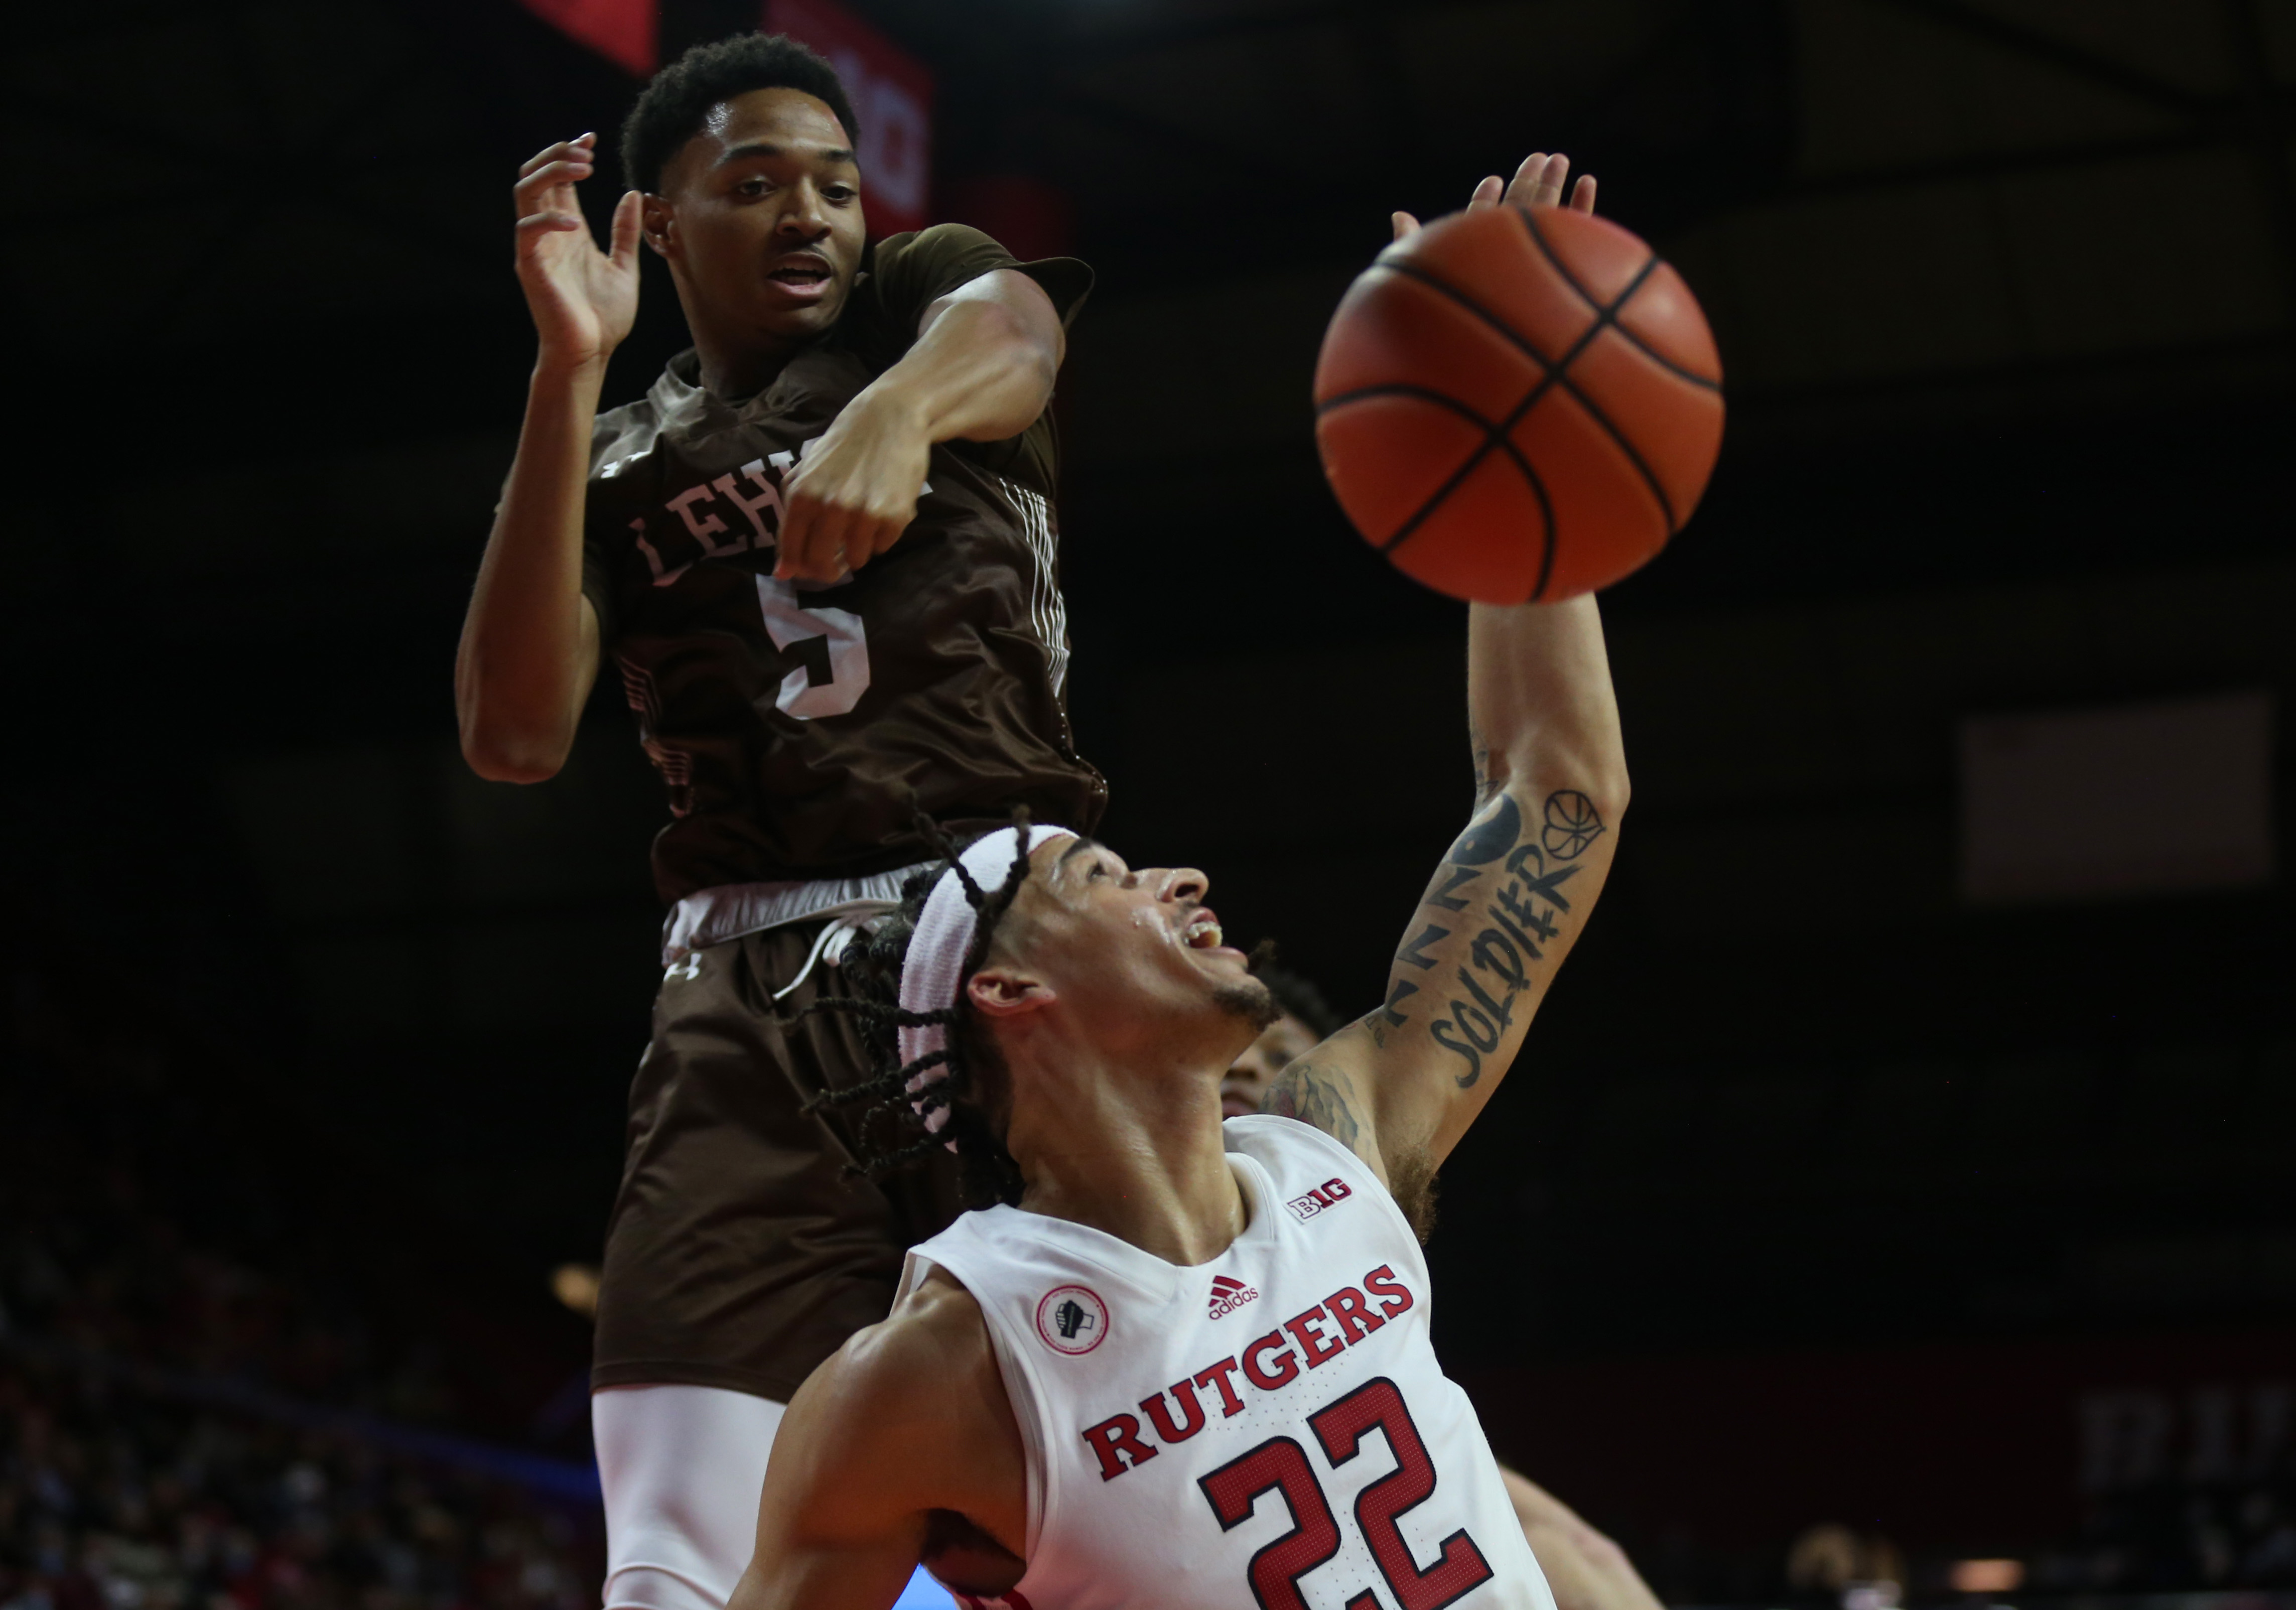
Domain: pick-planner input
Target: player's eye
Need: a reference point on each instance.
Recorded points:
(752, 187)
(840, 192)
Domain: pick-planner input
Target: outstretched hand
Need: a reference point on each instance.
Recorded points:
(1537, 183)
(583, 300)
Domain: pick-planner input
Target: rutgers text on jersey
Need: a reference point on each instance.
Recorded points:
(1270, 1429)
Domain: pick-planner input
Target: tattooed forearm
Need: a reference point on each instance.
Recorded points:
(1312, 1095)
(1516, 915)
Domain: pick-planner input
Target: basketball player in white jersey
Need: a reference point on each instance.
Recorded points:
(1585, 1568)
(1192, 1368)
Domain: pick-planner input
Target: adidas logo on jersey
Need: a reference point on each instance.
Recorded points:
(1230, 1294)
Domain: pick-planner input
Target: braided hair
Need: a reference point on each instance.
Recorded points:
(895, 1113)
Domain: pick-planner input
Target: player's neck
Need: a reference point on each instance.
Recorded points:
(737, 360)
(1141, 1159)
(733, 371)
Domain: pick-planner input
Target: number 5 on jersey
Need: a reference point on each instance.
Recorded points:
(789, 620)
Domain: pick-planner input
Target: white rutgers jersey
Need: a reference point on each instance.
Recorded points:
(1270, 1429)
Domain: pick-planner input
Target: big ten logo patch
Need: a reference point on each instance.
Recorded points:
(1328, 1195)
(1072, 1320)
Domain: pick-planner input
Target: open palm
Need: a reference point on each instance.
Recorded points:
(1537, 183)
(583, 299)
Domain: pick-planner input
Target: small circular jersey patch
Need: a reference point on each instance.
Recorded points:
(1071, 1319)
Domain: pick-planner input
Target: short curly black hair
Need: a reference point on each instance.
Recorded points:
(673, 107)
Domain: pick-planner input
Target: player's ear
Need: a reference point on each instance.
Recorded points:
(657, 223)
(1007, 992)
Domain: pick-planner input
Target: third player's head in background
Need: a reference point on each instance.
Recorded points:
(1307, 1019)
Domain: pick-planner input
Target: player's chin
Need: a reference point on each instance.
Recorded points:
(786, 318)
(1235, 1104)
(1227, 958)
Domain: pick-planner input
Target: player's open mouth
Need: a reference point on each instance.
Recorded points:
(804, 275)
(1202, 932)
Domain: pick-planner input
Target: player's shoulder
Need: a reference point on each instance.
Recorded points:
(1289, 1144)
(623, 433)
(675, 398)
(921, 1389)
(903, 1365)
(935, 243)
(1326, 1090)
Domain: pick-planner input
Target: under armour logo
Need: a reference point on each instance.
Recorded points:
(688, 968)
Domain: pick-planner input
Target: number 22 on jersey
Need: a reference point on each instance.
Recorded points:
(1280, 1465)
(788, 619)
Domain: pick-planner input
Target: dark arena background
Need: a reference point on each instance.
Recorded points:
(1897, 1199)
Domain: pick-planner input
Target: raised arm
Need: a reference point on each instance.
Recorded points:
(530, 648)
(981, 370)
(1503, 909)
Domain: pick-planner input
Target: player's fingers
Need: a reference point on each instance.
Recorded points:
(1582, 193)
(1403, 224)
(565, 170)
(811, 536)
(628, 218)
(884, 531)
(797, 528)
(1487, 194)
(583, 146)
(829, 554)
(1548, 192)
(864, 539)
(548, 222)
(1526, 180)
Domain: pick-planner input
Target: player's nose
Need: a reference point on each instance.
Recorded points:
(1181, 883)
(805, 215)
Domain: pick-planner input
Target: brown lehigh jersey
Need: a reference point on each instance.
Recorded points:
(800, 728)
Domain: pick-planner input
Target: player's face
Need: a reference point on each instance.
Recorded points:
(1135, 951)
(760, 216)
(1250, 1074)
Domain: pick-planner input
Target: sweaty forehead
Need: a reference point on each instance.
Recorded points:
(799, 124)
(1056, 870)
(1064, 860)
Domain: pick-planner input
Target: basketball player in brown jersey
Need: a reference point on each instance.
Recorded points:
(820, 551)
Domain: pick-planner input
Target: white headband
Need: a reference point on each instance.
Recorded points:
(930, 969)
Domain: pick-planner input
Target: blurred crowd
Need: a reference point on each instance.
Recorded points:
(114, 1500)
(183, 1314)
(100, 1269)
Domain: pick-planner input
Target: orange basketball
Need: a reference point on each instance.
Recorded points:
(1519, 403)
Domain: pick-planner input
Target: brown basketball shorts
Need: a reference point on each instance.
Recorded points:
(743, 1251)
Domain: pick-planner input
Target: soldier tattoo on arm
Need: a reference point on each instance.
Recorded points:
(1504, 879)
(1310, 1094)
